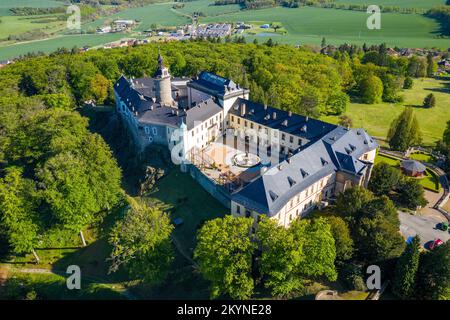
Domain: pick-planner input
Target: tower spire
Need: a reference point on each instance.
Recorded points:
(160, 58)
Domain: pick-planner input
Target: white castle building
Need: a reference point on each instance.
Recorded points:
(307, 161)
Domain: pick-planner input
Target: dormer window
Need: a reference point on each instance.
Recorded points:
(273, 195)
(304, 173)
(291, 181)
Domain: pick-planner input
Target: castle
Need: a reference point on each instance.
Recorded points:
(287, 163)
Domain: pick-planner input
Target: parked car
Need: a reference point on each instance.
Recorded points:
(435, 243)
(443, 226)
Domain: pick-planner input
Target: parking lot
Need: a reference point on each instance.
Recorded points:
(424, 226)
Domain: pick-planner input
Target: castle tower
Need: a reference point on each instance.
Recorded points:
(163, 86)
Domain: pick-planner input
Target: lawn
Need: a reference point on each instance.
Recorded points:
(16, 25)
(186, 199)
(398, 3)
(377, 118)
(422, 157)
(50, 45)
(430, 181)
(5, 5)
(53, 287)
(207, 8)
(159, 14)
(390, 161)
(310, 25)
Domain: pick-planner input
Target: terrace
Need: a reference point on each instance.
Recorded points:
(228, 163)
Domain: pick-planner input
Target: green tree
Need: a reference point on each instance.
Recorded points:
(405, 277)
(383, 179)
(281, 255)
(342, 238)
(371, 89)
(224, 253)
(377, 239)
(352, 200)
(431, 65)
(318, 247)
(408, 83)
(404, 131)
(434, 274)
(429, 101)
(18, 217)
(411, 193)
(141, 243)
(446, 135)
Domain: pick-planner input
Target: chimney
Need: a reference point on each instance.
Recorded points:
(243, 109)
(290, 113)
(307, 118)
(265, 106)
(274, 116)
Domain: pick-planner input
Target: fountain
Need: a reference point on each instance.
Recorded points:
(246, 160)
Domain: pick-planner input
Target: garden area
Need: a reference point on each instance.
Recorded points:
(429, 180)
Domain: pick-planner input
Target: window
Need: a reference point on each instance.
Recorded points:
(192, 132)
(247, 213)
(299, 142)
(251, 125)
(155, 131)
(239, 121)
(147, 130)
(238, 209)
(245, 123)
(291, 139)
(283, 137)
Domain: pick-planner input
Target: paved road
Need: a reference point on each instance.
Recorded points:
(424, 226)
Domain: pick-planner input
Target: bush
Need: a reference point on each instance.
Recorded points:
(352, 277)
(429, 101)
(408, 83)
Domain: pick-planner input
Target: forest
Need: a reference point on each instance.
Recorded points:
(57, 177)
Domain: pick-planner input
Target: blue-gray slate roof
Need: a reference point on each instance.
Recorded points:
(139, 98)
(338, 150)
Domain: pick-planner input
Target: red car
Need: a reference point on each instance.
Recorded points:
(436, 243)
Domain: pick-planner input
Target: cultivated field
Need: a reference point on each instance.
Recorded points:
(426, 4)
(159, 13)
(50, 45)
(305, 25)
(5, 5)
(309, 25)
(377, 118)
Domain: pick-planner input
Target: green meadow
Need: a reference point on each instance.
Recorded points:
(425, 4)
(377, 118)
(159, 13)
(309, 25)
(5, 5)
(50, 45)
(15, 25)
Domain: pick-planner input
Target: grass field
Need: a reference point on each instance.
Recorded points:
(5, 5)
(189, 201)
(429, 181)
(16, 25)
(159, 13)
(207, 8)
(310, 25)
(50, 45)
(377, 118)
(397, 3)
